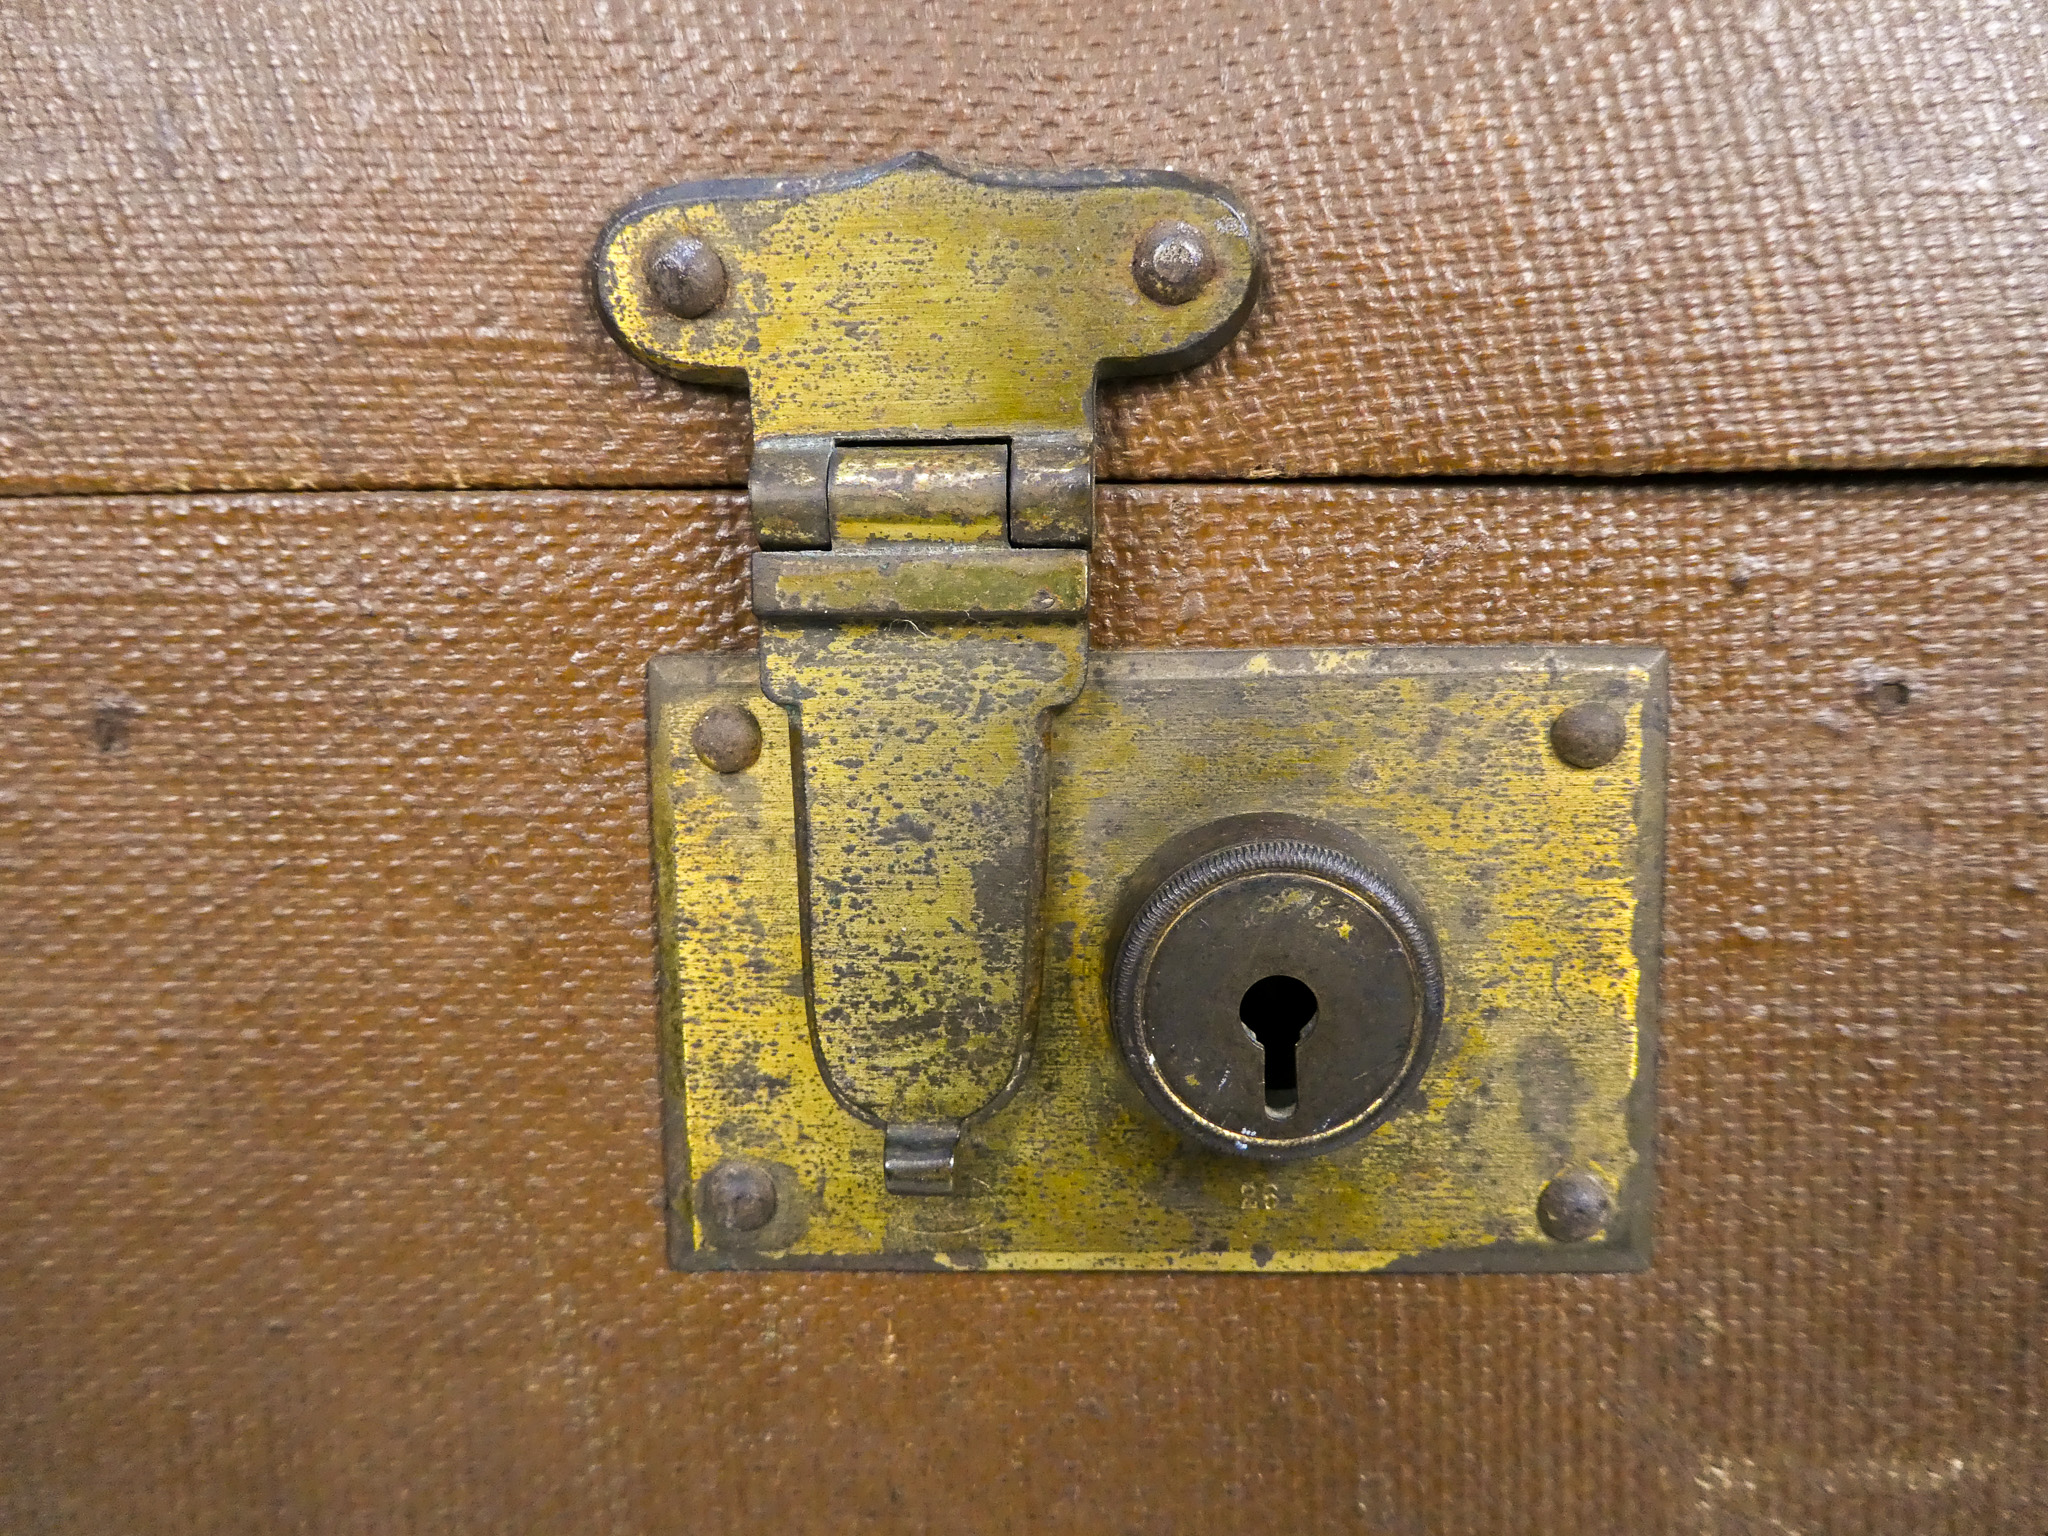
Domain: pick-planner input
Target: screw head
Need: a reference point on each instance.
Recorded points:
(727, 739)
(1172, 263)
(1574, 1207)
(687, 277)
(1588, 735)
(738, 1196)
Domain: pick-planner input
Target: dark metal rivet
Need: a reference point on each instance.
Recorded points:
(1574, 1207)
(687, 277)
(738, 1196)
(727, 739)
(1587, 735)
(1173, 263)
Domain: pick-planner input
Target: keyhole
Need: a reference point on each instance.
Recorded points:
(1278, 1011)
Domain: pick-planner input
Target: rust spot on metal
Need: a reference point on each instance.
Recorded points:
(686, 277)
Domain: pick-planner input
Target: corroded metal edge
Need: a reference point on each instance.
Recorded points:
(1627, 1243)
(905, 580)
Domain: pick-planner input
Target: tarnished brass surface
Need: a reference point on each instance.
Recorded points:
(1541, 881)
(923, 813)
(912, 578)
(914, 298)
(921, 347)
(957, 492)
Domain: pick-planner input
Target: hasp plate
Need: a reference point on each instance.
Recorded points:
(1541, 882)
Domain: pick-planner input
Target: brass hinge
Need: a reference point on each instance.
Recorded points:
(922, 347)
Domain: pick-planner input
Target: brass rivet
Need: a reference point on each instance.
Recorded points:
(1588, 735)
(738, 1196)
(1173, 263)
(687, 277)
(1574, 1207)
(727, 739)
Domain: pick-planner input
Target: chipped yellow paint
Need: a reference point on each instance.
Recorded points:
(895, 976)
(1197, 1263)
(922, 346)
(732, 1003)
(915, 298)
(1540, 882)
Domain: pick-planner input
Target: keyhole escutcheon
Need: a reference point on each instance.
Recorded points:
(1277, 1011)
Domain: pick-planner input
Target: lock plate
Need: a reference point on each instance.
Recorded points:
(1541, 882)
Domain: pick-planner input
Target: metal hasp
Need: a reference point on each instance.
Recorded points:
(1445, 828)
(922, 347)
(979, 950)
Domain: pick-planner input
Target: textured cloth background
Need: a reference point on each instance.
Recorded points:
(330, 1132)
(286, 246)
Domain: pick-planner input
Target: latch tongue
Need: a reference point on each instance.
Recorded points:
(922, 347)
(919, 657)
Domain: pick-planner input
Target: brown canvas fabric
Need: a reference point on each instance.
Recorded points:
(330, 1137)
(342, 245)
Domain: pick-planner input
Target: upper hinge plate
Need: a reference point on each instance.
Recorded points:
(911, 301)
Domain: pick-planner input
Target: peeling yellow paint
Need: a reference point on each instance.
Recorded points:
(923, 774)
